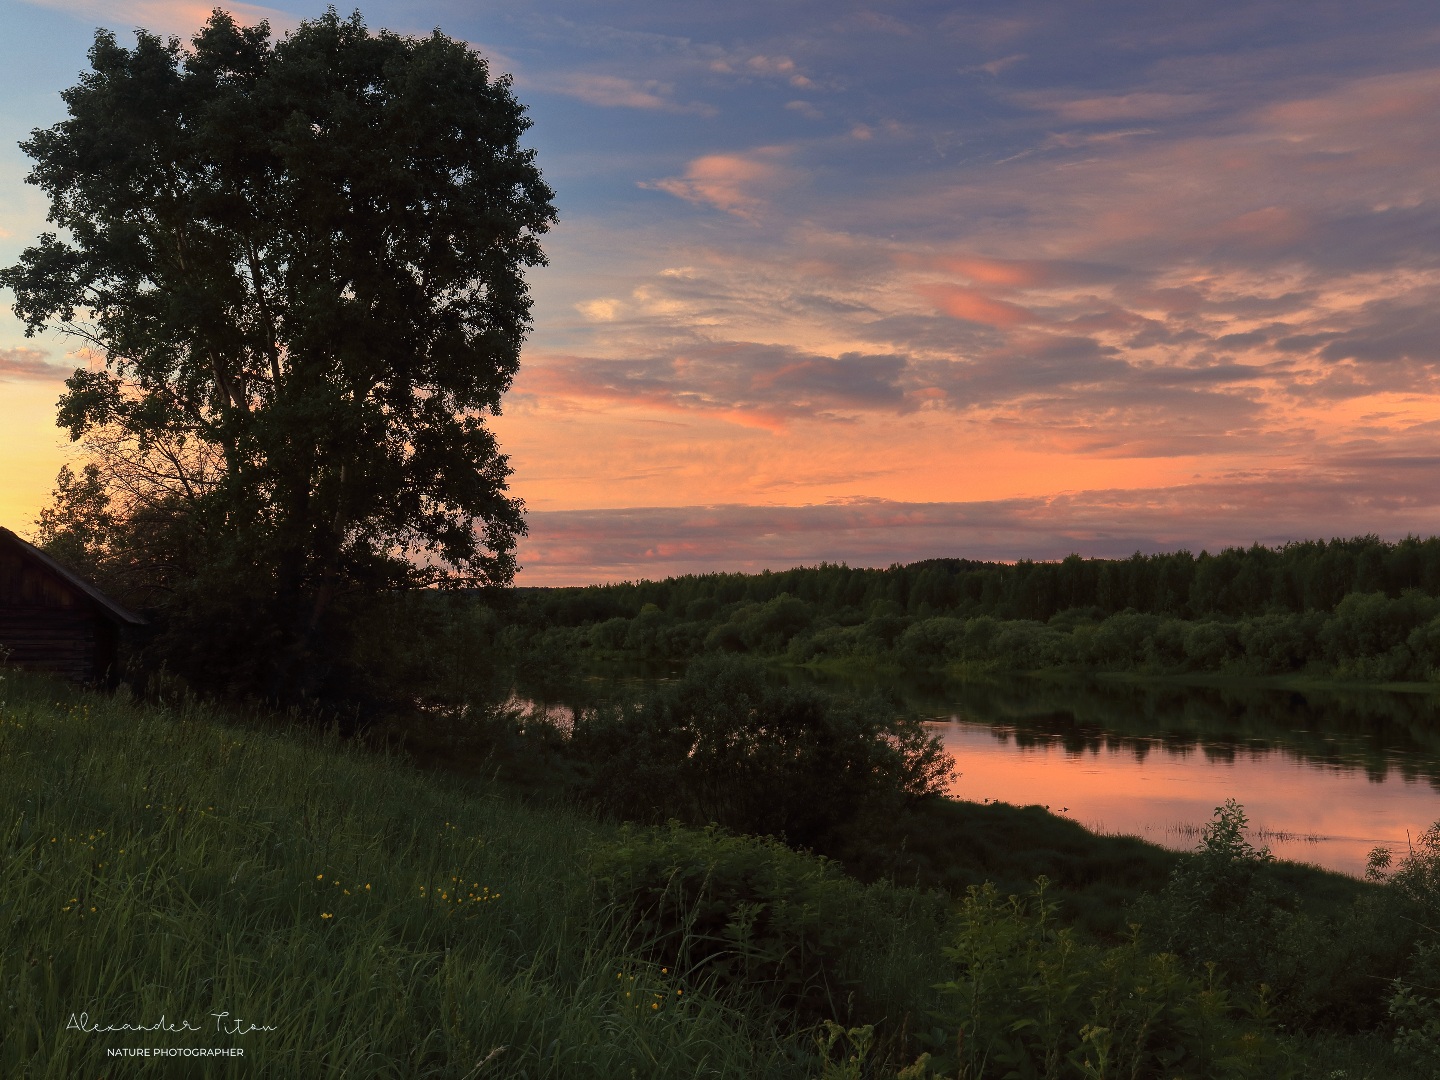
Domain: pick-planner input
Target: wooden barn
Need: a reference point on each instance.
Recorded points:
(52, 619)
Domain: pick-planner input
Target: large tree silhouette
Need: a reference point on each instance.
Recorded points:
(299, 265)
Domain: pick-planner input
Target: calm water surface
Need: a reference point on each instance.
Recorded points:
(1324, 777)
(1331, 815)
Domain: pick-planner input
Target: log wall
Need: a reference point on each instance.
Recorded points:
(46, 624)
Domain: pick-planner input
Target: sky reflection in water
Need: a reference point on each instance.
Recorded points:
(1325, 775)
(1306, 811)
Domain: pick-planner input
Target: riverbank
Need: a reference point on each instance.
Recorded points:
(341, 911)
(994, 671)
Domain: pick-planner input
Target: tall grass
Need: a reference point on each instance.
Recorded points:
(343, 914)
(173, 863)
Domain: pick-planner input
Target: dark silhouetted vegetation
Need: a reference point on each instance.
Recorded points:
(302, 263)
(1362, 609)
(723, 744)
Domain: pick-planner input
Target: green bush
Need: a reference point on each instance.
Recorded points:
(722, 744)
(1029, 1000)
(1278, 643)
(1122, 641)
(1217, 905)
(1225, 905)
(1366, 636)
(1165, 650)
(643, 634)
(610, 634)
(1207, 645)
(1414, 1006)
(926, 643)
(1025, 645)
(1424, 643)
(747, 917)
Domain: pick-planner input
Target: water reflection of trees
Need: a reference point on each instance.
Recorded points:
(1385, 734)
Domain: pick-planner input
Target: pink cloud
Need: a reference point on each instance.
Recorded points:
(180, 17)
(613, 91)
(1251, 292)
(1269, 228)
(1141, 105)
(30, 365)
(973, 306)
(735, 183)
(750, 384)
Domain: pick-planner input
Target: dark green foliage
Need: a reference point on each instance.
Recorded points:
(1218, 905)
(1225, 905)
(1311, 575)
(752, 918)
(144, 801)
(303, 264)
(1350, 609)
(386, 922)
(1028, 1000)
(724, 744)
(76, 527)
(1414, 1004)
(953, 845)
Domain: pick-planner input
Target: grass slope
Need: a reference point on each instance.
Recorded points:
(167, 863)
(350, 916)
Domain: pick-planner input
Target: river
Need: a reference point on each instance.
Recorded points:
(1324, 776)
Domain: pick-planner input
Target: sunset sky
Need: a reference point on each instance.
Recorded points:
(879, 283)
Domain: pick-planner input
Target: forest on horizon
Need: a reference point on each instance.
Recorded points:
(1362, 607)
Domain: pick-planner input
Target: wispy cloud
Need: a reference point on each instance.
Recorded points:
(29, 365)
(739, 184)
(1140, 105)
(615, 91)
(1357, 496)
(750, 384)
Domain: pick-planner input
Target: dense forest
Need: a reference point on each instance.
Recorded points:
(1361, 608)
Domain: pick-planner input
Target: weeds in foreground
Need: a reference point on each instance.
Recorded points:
(173, 880)
(322, 911)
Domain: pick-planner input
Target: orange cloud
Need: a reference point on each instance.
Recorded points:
(578, 546)
(30, 364)
(973, 306)
(734, 183)
(1269, 227)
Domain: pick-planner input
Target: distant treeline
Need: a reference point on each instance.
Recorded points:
(1356, 608)
(1310, 575)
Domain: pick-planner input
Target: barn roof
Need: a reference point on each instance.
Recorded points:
(107, 606)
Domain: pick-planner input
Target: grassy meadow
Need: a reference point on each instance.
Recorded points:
(333, 911)
(173, 863)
